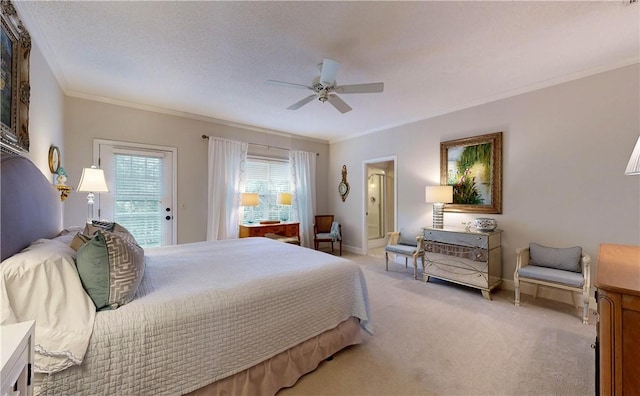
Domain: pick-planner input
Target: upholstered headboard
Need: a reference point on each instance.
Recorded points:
(31, 207)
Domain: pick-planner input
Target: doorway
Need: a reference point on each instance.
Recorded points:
(376, 189)
(141, 181)
(380, 211)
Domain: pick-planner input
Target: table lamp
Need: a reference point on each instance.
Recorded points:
(438, 195)
(284, 199)
(249, 199)
(92, 181)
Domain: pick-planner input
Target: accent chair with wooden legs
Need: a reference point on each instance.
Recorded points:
(408, 244)
(561, 268)
(326, 230)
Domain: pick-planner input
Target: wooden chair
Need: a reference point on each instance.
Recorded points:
(326, 230)
(567, 269)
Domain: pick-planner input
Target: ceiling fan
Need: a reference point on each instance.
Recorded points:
(325, 87)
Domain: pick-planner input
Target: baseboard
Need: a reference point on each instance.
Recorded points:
(352, 249)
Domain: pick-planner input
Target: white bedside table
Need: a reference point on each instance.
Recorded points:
(16, 355)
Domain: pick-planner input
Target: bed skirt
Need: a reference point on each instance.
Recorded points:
(284, 369)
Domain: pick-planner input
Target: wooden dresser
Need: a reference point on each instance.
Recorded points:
(284, 230)
(471, 258)
(618, 297)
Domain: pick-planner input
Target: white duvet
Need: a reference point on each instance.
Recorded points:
(208, 310)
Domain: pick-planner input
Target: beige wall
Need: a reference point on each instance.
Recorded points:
(86, 120)
(45, 114)
(565, 151)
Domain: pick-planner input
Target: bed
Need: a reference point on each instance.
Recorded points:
(246, 316)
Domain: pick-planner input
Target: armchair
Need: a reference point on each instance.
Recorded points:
(326, 230)
(567, 269)
(408, 244)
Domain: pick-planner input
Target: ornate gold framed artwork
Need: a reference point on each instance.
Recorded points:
(473, 166)
(15, 44)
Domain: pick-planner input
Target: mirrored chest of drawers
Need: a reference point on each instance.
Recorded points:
(470, 258)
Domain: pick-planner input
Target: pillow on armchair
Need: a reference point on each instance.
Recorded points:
(566, 259)
(408, 237)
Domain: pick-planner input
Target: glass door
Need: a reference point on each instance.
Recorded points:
(140, 194)
(375, 205)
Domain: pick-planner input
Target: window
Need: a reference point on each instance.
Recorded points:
(138, 197)
(267, 177)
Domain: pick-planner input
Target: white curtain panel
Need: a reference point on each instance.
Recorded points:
(227, 160)
(303, 174)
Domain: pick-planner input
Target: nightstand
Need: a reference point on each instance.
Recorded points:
(16, 355)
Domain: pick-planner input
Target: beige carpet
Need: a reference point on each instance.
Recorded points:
(438, 338)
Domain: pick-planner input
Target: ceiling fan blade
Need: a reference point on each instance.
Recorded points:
(302, 102)
(328, 72)
(287, 84)
(360, 88)
(339, 104)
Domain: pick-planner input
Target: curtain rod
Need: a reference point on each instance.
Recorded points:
(262, 145)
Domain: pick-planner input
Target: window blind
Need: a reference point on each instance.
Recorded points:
(138, 197)
(267, 178)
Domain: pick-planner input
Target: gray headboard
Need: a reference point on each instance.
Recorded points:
(31, 207)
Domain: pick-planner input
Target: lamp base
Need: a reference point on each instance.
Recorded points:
(438, 215)
(90, 200)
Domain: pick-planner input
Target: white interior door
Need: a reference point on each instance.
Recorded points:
(141, 191)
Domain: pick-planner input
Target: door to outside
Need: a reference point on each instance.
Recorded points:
(141, 191)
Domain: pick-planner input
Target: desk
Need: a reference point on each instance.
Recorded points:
(618, 298)
(285, 230)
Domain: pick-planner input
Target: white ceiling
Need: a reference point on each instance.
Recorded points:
(211, 59)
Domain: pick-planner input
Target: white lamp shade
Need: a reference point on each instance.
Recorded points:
(284, 199)
(438, 194)
(633, 167)
(249, 199)
(92, 180)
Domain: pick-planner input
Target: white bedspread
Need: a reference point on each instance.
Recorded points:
(208, 310)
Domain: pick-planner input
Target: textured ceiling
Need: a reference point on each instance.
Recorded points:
(212, 58)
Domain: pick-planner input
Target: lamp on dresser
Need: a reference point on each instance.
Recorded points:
(92, 181)
(249, 199)
(284, 199)
(438, 195)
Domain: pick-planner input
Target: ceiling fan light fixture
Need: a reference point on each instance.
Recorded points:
(325, 87)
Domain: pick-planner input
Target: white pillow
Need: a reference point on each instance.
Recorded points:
(41, 283)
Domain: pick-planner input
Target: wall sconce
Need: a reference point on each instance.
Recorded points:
(61, 183)
(438, 195)
(284, 199)
(92, 181)
(633, 167)
(249, 199)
